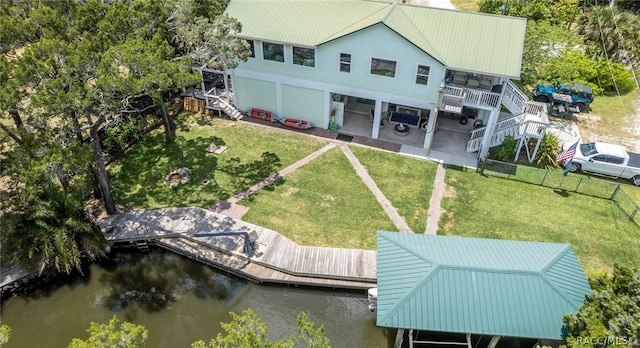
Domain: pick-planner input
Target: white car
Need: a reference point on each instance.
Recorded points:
(608, 160)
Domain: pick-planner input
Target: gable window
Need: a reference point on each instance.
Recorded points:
(383, 67)
(345, 62)
(304, 56)
(252, 48)
(274, 52)
(422, 77)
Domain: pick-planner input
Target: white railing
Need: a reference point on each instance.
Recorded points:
(214, 101)
(513, 99)
(481, 99)
(509, 126)
(531, 121)
(454, 98)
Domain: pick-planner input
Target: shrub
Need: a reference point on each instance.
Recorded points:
(122, 133)
(506, 149)
(548, 150)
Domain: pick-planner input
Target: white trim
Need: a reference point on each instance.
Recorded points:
(339, 89)
(340, 62)
(315, 61)
(255, 51)
(429, 78)
(284, 54)
(395, 71)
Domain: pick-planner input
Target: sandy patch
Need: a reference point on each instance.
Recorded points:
(588, 124)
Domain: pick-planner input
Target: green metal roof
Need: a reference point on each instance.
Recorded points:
(469, 41)
(478, 286)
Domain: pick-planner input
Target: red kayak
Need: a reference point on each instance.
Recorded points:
(261, 114)
(296, 123)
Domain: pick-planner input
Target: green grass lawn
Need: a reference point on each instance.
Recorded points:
(407, 182)
(491, 207)
(138, 178)
(323, 203)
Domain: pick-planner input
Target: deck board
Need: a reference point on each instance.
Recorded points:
(277, 259)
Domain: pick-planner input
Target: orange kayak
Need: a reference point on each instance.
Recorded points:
(261, 114)
(296, 123)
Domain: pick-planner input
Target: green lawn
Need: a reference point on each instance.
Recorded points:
(138, 178)
(407, 182)
(323, 203)
(491, 207)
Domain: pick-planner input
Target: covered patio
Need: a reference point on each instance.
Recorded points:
(447, 291)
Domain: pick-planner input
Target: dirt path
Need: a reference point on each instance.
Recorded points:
(433, 216)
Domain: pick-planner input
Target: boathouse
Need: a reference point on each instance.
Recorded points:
(472, 292)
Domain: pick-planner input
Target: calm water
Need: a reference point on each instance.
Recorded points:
(179, 302)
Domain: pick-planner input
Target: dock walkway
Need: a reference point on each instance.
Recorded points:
(275, 260)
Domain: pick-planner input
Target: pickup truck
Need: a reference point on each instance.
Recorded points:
(606, 160)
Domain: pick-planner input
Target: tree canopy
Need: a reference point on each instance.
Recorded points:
(611, 316)
(572, 40)
(68, 70)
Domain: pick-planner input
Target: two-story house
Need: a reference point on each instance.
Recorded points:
(371, 65)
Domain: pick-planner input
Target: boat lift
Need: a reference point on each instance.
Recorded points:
(249, 238)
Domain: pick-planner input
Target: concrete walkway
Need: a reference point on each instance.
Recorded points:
(384, 202)
(230, 207)
(433, 216)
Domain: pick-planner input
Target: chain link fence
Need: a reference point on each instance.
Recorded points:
(556, 180)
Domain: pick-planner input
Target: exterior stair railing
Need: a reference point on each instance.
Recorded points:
(530, 120)
(214, 101)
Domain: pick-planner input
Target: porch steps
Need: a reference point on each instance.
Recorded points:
(230, 110)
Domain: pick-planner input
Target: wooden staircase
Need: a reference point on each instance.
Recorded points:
(218, 103)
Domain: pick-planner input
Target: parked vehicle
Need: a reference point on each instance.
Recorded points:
(570, 94)
(605, 159)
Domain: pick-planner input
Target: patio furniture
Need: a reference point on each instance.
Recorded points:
(473, 82)
(459, 78)
(485, 83)
(401, 130)
(381, 118)
(412, 121)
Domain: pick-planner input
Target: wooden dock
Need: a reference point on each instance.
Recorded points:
(275, 260)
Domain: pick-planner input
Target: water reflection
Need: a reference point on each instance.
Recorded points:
(180, 301)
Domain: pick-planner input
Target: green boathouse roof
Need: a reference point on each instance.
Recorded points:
(477, 286)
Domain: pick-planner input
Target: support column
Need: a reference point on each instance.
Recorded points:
(433, 118)
(235, 102)
(488, 134)
(328, 105)
(494, 341)
(375, 132)
(278, 100)
(491, 124)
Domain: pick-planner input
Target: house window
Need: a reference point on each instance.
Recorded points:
(274, 52)
(422, 77)
(252, 48)
(383, 67)
(304, 56)
(345, 62)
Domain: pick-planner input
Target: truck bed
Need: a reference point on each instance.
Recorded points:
(634, 160)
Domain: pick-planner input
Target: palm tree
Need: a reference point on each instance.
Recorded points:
(53, 232)
(613, 33)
